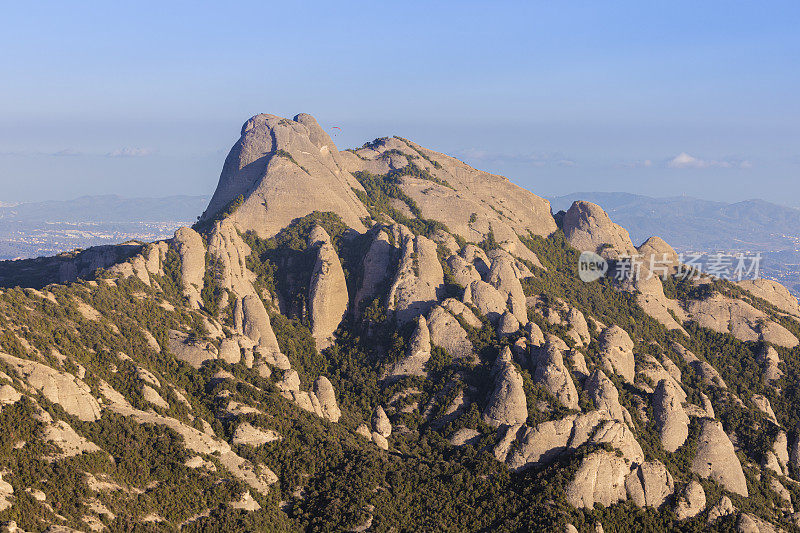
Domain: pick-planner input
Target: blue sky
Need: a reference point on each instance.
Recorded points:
(659, 98)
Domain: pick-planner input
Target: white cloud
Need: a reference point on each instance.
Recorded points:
(131, 152)
(67, 152)
(684, 160)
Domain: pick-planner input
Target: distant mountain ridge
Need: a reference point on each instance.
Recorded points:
(705, 226)
(695, 224)
(105, 208)
(45, 228)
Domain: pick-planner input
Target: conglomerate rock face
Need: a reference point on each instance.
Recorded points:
(347, 321)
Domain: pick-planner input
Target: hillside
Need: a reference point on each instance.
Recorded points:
(385, 338)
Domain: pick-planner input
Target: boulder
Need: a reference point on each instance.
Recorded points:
(151, 396)
(578, 327)
(419, 277)
(616, 352)
(459, 310)
(417, 353)
(380, 423)
(554, 376)
(599, 479)
(534, 334)
(463, 272)
(507, 404)
(605, 396)
(465, 436)
(723, 508)
(503, 277)
(490, 302)
(229, 351)
(749, 523)
(508, 324)
(327, 294)
(446, 332)
(67, 440)
(691, 502)
(670, 418)
(762, 404)
(8, 395)
(326, 396)
(716, 458)
(769, 360)
(189, 350)
(650, 484)
(256, 324)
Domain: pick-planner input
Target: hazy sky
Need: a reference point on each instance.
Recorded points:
(659, 98)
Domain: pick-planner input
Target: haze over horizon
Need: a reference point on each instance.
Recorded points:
(685, 98)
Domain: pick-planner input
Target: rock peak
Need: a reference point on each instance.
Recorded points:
(281, 169)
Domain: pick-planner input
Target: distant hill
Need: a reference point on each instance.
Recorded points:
(46, 228)
(692, 224)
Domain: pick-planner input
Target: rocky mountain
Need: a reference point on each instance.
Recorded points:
(694, 225)
(385, 338)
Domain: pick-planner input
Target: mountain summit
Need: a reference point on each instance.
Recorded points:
(388, 339)
(280, 170)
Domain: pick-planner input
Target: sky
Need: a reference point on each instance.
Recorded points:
(658, 98)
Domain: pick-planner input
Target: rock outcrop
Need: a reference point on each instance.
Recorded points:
(650, 484)
(377, 266)
(691, 502)
(742, 320)
(327, 294)
(419, 278)
(252, 436)
(417, 353)
(716, 458)
(671, 420)
(616, 352)
(446, 332)
(282, 170)
(324, 392)
(256, 325)
(605, 396)
(507, 404)
(489, 301)
(503, 277)
(471, 203)
(59, 387)
(554, 376)
(599, 479)
(774, 293)
(543, 443)
(588, 228)
(769, 360)
(192, 251)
